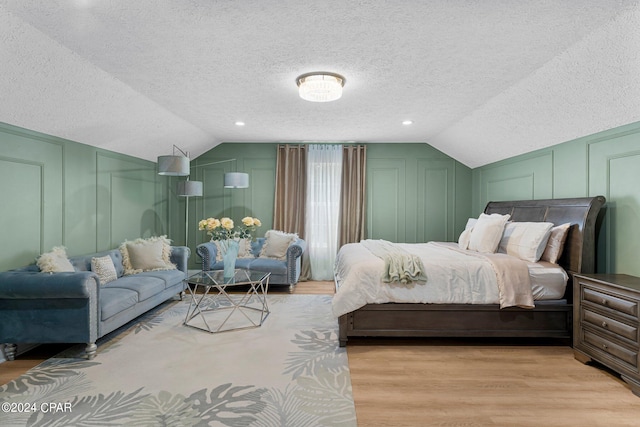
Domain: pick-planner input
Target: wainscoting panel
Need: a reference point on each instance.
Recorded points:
(435, 201)
(387, 200)
(125, 203)
(216, 201)
(614, 167)
(31, 197)
(523, 178)
(258, 199)
(23, 208)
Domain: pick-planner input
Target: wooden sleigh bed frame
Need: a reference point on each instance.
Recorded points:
(549, 319)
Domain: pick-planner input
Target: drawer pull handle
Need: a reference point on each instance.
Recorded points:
(604, 324)
(604, 301)
(604, 346)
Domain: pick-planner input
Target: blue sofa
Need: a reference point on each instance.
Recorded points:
(286, 272)
(73, 307)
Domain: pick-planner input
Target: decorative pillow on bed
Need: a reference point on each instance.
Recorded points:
(146, 255)
(276, 244)
(104, 268)
(487, 232)
(55, 261)
(525, 240)
(555, 244)
(465, 236)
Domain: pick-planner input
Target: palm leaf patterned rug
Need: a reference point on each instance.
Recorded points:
(157, 372)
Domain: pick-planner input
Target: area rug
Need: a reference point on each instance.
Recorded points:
(157, 372)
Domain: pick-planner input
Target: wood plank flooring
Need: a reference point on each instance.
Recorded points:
(461, 382)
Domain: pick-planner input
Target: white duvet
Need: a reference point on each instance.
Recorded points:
(452, 278)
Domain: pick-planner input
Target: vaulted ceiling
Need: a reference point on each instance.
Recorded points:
(481, 80)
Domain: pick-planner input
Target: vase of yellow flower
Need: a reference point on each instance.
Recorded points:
(228, 235)
(229, 257)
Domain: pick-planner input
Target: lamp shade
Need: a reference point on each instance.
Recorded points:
(236, 180)
(173, 165)
(189, 189)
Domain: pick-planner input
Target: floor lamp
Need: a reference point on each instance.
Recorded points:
(188, 189)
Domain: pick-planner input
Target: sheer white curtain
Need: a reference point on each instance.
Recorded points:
(324, 173)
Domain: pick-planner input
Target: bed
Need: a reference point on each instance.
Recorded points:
(550, 318)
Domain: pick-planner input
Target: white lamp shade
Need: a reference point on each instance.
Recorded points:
(236, 180)
(189, 189)
(173, 165)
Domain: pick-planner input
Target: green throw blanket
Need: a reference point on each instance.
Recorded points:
(400, 266)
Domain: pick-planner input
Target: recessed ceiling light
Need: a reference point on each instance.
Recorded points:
(407, 122)
(239, 123)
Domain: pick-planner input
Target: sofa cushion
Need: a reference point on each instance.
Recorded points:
(170, 277)
(266, 264)
(144, 286)
(115, 300)
(146, 255)
(55, 261)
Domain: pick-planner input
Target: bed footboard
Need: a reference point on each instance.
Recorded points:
(456, 320)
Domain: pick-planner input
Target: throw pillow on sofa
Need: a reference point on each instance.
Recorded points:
(104, 268)
(55, 261)
(146, 255)
(276, 244)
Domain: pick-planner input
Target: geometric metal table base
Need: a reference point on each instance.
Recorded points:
(214, 310)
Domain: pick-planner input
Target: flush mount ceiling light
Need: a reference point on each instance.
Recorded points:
(320, 86)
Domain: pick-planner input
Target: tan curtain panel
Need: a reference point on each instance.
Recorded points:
(352, 203)
(290, 197)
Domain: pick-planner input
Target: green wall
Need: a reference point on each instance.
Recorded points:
(58, 192)
(414, 192)
(606, 163)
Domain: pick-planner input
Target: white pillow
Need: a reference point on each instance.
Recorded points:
(276, 244)
(486, 234)
(465, 236)
(555, 244)
(55, 261)
(525, 240)
(146, 255)
(104, 268)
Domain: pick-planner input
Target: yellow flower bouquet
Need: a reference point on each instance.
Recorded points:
(225, 229)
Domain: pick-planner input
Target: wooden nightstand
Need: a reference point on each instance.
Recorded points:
(606, 325)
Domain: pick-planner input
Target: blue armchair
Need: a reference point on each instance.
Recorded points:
(283, 272)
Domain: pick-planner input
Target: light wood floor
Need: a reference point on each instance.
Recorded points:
(461, 382)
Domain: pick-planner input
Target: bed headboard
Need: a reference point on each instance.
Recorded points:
(579, 254)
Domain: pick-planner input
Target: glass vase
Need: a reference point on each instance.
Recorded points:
(229, 258)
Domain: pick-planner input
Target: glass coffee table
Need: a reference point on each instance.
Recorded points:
(220, 304)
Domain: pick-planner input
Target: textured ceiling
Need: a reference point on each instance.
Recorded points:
(482, 80)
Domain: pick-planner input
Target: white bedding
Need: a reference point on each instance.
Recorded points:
(452, 278)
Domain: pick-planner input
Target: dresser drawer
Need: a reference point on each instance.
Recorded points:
(617, 303)
(611, 325)
(630, 357)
